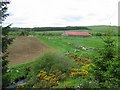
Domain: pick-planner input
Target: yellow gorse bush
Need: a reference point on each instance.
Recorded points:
(41, 73)
(76, 72)
(83, 72)
(53, 78)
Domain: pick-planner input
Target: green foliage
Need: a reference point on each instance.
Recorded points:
(106, 68)
(50, 34)
(19, 33)
(69, 83)
(6, 40)
(42, 84)
(23, 33)
(52, 61)
(98, 34)
(5, 80)
(89, 84)
(49, 62)
(15, 74)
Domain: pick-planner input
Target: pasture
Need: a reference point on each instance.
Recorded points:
(72, 43)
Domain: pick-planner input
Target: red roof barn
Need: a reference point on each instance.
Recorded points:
(76, 34)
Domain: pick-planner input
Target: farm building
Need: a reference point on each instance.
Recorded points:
(76, 34)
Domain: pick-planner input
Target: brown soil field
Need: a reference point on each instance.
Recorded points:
(25, 49)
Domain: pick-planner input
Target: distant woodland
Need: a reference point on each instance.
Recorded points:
(52, 28)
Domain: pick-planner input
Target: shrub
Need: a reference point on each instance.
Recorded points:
(54, 61)
(98, 34)
(50, 68)
(51, 78)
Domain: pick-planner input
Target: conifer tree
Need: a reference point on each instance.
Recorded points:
(6, 40)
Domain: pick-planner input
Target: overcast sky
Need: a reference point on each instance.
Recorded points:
(45, 13)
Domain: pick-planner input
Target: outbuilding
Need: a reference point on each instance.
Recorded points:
(67, 33)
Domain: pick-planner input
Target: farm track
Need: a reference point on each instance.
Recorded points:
(24, 49)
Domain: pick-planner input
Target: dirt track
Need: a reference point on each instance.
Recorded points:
(24, 49)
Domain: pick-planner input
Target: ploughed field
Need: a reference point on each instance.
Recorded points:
(24, 49)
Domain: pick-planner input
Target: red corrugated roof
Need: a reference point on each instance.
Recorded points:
(78, 33)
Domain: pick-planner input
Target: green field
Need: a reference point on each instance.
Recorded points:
(70, 43)
(65, 44)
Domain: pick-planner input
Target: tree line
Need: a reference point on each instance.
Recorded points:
(52, 28)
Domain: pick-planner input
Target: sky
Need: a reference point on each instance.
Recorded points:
(58, 13)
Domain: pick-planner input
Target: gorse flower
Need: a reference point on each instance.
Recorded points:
(76, 72)
(53, 78)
